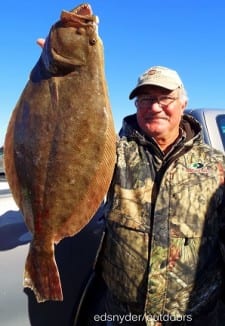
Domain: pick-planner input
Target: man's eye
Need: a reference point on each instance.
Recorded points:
(144, 100)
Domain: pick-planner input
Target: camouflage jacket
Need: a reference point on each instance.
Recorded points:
(162, 251)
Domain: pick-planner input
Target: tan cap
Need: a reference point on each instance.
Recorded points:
(158, 76)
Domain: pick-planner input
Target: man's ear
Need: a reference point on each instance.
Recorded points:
(184, 105)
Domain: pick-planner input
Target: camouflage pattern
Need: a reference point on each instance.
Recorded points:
(165, 215)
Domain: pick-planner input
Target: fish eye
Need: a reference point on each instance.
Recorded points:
(92, 41)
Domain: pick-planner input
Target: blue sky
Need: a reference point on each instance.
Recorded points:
(186, 35)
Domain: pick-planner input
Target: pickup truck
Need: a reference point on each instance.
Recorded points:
(213, 125)
(74, 255)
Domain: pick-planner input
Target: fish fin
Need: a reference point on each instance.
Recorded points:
(41, 275)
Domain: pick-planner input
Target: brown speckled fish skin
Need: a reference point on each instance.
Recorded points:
(60, 144)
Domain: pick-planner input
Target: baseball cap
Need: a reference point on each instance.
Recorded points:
(158, 76)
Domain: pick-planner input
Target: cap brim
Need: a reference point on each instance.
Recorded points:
(136, 90)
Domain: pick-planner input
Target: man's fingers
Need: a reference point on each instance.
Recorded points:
(41, 42)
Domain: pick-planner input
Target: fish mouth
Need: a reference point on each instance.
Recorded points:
(79, 16)
(83, 10)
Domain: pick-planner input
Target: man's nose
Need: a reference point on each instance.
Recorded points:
(154, 105)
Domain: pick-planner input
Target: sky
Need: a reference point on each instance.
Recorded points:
(185, 35)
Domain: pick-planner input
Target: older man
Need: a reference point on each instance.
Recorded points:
(162, 255)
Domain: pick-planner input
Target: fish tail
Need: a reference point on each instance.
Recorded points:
(41, 274)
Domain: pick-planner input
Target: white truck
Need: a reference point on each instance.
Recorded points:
(213, 125)
(74, 255)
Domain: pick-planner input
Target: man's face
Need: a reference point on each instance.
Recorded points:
(159, 112)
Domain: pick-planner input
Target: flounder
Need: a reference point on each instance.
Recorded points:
(60, 144)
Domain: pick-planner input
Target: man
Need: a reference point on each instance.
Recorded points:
(161, 257)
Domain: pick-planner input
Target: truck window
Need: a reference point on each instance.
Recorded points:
(220, 119)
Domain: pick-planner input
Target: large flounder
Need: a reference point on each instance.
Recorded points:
(60, 144)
